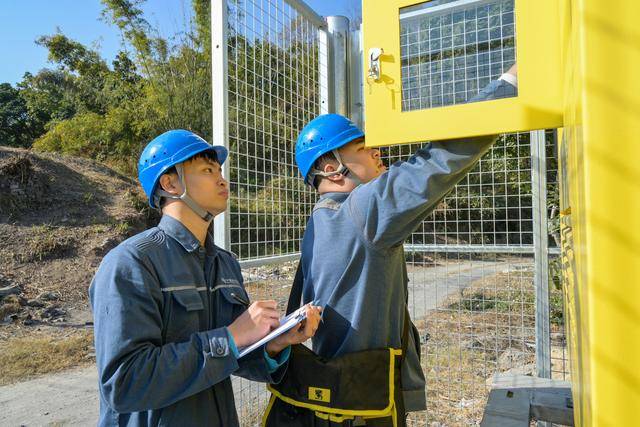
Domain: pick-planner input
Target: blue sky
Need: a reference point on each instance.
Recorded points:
(23, 21)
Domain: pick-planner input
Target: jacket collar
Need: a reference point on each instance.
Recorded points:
(182, 235)
(335, 196)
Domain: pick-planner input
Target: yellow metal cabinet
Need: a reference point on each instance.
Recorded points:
(578, 68)
(600, 192)
(393, 51)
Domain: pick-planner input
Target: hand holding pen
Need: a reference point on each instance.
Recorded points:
(255, 322)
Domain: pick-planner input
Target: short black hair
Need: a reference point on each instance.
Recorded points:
(319, 164)
(208, 155)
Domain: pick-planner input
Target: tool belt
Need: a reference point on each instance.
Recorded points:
(350, 390)
(321, 392)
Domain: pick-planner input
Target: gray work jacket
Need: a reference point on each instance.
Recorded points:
(353, 257)
(161, 303)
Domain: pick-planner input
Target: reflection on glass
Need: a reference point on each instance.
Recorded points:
(451, 49)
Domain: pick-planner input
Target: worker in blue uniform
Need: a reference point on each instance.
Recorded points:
(170, 309)
(353, 261)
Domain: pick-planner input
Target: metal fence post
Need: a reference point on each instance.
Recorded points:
(220, 99)
(323, 69)
(338, 29)
(356, 76)
(540, 242)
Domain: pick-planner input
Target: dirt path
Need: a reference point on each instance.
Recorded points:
(69, 398)
(430, 287)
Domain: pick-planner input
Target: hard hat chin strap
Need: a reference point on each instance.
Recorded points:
(204, 214)
(342, 169)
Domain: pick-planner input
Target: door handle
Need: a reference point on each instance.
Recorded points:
(374, 63)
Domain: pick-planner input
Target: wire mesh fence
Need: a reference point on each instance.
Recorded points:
(273, 90)
(273, 85)
(472, 291)
(452, 49)
(471, 263)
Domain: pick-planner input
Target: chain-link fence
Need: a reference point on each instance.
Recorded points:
(472, 263)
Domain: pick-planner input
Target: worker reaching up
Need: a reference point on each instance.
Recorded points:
(353, 264)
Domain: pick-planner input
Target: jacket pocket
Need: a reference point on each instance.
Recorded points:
(232, 301)
(186, 316)
(189, 299)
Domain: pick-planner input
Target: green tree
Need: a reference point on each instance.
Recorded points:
(123, 84)
(108, 113)
(177, 71)
(48, 95)
(87, 71)
(105, 114)
(14, 118)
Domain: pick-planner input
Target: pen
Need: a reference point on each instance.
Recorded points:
(240, 299)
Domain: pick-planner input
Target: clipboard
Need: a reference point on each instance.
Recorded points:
(286, 323)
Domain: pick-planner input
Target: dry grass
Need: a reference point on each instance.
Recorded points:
(39, 354)
(277, 290)
(486, 329)
(49, 243)
(274, 284)
(489, 328)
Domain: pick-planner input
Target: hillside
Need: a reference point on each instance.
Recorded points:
(59, 215)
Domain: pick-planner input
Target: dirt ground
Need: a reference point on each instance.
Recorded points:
(487, 329)
(58, 217)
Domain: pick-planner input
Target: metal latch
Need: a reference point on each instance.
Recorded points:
(374, 62)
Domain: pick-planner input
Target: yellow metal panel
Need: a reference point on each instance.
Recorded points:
(601, 200)
(539, 101)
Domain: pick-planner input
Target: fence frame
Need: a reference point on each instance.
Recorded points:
(220, 99)
(352, 101)
(541, 247)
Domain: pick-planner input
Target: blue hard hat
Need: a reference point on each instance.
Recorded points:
(320, 136)
(167, 150)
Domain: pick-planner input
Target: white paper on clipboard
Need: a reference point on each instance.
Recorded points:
(286, 323)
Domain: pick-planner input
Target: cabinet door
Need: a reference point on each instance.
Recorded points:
(425, 61)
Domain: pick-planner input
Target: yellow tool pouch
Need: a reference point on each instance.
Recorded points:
(342, 391)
